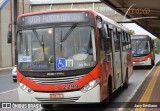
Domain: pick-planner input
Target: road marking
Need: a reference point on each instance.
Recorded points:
(8, 91)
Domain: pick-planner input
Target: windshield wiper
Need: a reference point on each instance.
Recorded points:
(40, 41)
(69, 32)
(37, 36)
(42, 44)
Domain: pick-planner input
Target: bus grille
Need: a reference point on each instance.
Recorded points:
(60, 80)
(59, 100)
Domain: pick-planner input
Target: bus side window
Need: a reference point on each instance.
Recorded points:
(105, 44)
(108, 43)
(125, 39)
(116, 41)
(129, 41)
(106, 29)
(102, 44)
(119, 35)
(123, 42)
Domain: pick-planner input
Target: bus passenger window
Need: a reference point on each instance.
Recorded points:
(108, 44)
(126, 40)
(129, 41)
(106, 29)
(123, 42)
(116, 41)
(102, 44)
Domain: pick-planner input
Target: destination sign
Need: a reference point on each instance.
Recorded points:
(54, 18)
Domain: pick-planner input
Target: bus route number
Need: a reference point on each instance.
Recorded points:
(70, 86)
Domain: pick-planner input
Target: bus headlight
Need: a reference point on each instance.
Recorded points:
(90, 85)
(25, 88)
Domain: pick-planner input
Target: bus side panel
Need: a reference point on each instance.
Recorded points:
(106, 71)
(116, 59)
(129, 56)
(130, 63)
(105, 65)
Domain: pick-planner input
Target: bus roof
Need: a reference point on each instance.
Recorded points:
(140, 37)
(108, 20)
(42, 2)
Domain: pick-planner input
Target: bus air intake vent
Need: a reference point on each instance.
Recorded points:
(59, 100)
(60, 80)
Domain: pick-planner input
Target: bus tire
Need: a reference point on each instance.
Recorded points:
(152, 63)
(125, 85)
(109, 90)
(14, 80)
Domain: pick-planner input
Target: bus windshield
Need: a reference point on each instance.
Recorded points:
(58, 48)
(140, 47)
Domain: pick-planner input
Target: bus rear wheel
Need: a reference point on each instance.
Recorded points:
(152, 63)
(109, 91)
(125, 85)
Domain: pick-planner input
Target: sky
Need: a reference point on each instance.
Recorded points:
(137, 29)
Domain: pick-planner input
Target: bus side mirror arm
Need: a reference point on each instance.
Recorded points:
(9, 37)
(9, 34)
(102, 32)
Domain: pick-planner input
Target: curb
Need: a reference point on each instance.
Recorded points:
(6, 68)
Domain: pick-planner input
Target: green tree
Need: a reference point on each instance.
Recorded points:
(131, 32)
(157, 45)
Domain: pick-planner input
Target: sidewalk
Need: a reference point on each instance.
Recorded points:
(147, 97)
(6, 68)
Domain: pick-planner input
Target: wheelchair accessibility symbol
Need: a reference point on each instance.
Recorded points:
(60, 63)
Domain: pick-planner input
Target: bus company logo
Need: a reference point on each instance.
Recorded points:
(6, 105)
(55, 74)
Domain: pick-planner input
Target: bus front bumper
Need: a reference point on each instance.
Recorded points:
(143, 63)
(92, 96)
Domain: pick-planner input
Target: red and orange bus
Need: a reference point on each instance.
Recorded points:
(143, 50)
(71, 56)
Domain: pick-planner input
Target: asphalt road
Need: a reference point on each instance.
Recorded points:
(8, 92)
(6, 82)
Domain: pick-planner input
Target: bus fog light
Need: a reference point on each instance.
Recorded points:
(90, 85)
(25, 88)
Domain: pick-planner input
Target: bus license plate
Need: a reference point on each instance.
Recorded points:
(56, 96)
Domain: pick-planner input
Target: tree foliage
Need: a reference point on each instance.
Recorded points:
(131, 32)
(157, 45)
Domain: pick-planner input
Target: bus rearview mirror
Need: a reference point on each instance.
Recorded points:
(99, 22)
(102, 32)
